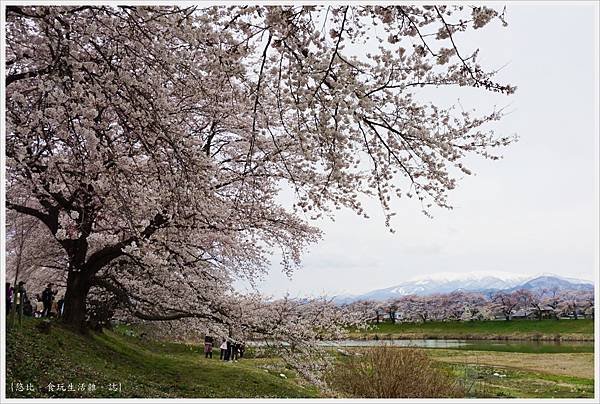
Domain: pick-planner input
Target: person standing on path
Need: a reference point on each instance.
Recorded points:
(228, 355)
(9, 297)
(223, 348)
(61, 306)
(208, 344)
(47, 298)
(39, 307)
(234, 351)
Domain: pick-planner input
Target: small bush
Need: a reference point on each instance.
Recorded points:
(388, 372)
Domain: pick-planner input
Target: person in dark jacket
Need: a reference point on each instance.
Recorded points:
(9, 297)
(235, 349)
(228, 350)
(47, 298)
(61, 306)
(208, 345)
(28, 308)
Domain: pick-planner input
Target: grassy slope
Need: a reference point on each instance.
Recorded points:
(144, 369)
(516, 329)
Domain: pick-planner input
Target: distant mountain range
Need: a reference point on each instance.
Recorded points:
(483, 282)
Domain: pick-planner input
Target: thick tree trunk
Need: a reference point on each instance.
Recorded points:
(75, 298)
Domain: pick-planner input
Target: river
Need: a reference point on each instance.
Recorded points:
(479, 345)
(472, 345)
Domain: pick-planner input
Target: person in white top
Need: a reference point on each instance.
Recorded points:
(223, 348)
(39, 307)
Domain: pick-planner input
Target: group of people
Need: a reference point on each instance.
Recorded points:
(45, 305)
(230, 350)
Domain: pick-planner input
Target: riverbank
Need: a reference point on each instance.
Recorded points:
(515, 330)
(65, 363)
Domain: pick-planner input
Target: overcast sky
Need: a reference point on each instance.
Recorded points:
(534, 211)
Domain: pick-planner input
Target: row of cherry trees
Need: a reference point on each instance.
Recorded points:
(467, 306)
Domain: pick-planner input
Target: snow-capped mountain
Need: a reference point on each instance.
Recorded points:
(552, 281)
(483, 281)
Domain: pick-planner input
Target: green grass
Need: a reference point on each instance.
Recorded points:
(516, 329)
(154, 369)
(530, 347)
(143, 369)
(491, 381)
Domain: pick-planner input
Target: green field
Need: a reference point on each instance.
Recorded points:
(582, 330)
(530, 347)
(520, 375)
(482, 381)
(143, 369)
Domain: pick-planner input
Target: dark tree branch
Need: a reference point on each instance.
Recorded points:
(102, 257)
(11, 78)
(334, 54)
(47, 219)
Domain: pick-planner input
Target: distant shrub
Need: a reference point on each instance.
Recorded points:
(387, 372)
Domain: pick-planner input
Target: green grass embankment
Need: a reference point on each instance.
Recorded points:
(71, 363)
(563, 330)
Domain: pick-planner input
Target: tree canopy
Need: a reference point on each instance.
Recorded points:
(153, 142)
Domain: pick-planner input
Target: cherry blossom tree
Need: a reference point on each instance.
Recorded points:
(296, 327)
(575, 302)
(452, 306)
(476, 307)
(32, 253)
(379, 312)
(153, 142)
(553, 299)
(537, 301)
(419, 308)
(588, 299)
(291, 327)
(368, 309)
(391, 308)
(506, 303)
(24, 251)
